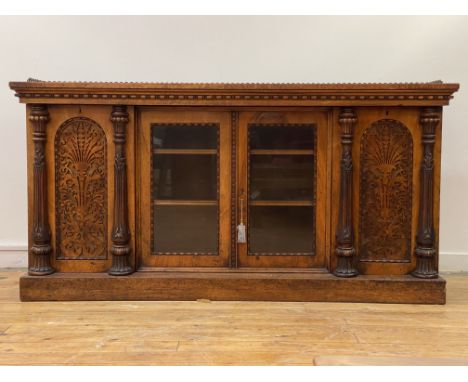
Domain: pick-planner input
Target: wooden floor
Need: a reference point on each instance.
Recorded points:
(230, 333)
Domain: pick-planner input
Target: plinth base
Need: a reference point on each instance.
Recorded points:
(231, 286)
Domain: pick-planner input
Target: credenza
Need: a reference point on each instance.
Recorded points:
(275, 192)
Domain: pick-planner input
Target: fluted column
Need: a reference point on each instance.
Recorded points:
(344, 234)
(120, 232)
(41, 249)
(425, 252)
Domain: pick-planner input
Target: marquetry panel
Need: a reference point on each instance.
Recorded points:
(81, 190)
(386, 173)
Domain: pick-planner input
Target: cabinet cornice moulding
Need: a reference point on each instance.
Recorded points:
(236, 94)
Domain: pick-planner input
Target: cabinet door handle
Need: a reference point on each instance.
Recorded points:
(241, 202)
(241, 235)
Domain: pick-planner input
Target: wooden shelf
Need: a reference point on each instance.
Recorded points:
(171, 202)
(186, 151)
(282, 203)
(281, 152)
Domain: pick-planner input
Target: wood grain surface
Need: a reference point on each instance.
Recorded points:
(231, 333)
(238, 94)
(226, 285)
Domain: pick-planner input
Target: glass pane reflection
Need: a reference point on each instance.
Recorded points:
(281, 229)
(186, 229)
(287, 136)
(281, 177)
(185, 176)
(185, 136)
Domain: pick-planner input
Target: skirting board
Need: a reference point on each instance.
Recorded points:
(17, 257)
(13, 256)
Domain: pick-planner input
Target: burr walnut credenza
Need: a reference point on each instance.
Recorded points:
(277, 192)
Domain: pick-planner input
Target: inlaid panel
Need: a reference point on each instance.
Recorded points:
(386, 192)
(81, 190)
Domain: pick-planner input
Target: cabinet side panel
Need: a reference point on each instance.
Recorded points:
(30, 161)
(437, 175)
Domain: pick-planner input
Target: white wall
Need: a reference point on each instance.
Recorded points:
(235, 49)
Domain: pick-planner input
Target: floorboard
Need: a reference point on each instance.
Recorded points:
(231, 333)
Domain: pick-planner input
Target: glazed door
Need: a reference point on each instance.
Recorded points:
(281, 189)
(185, 179)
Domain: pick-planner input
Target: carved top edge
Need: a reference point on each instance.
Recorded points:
(236, 94)
(35, 84)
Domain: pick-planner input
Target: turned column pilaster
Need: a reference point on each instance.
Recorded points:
(344, 250)
(120, 232)
(425, 252)
(41, 249)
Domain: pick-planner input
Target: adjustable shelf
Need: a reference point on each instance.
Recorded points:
(282, 203)
(185, 151)
(175, 202)
(281, 152)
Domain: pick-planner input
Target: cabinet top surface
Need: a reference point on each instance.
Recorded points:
(434, 93)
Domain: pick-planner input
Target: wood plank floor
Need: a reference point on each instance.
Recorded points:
(228, 333)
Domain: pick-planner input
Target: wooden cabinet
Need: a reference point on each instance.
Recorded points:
(234, 192)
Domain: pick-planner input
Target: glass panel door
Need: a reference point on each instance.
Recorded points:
(278, 186)
(185, 216)
(185, 189)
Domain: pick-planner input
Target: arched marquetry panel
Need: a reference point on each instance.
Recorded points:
(81, 190)
(386, 174)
